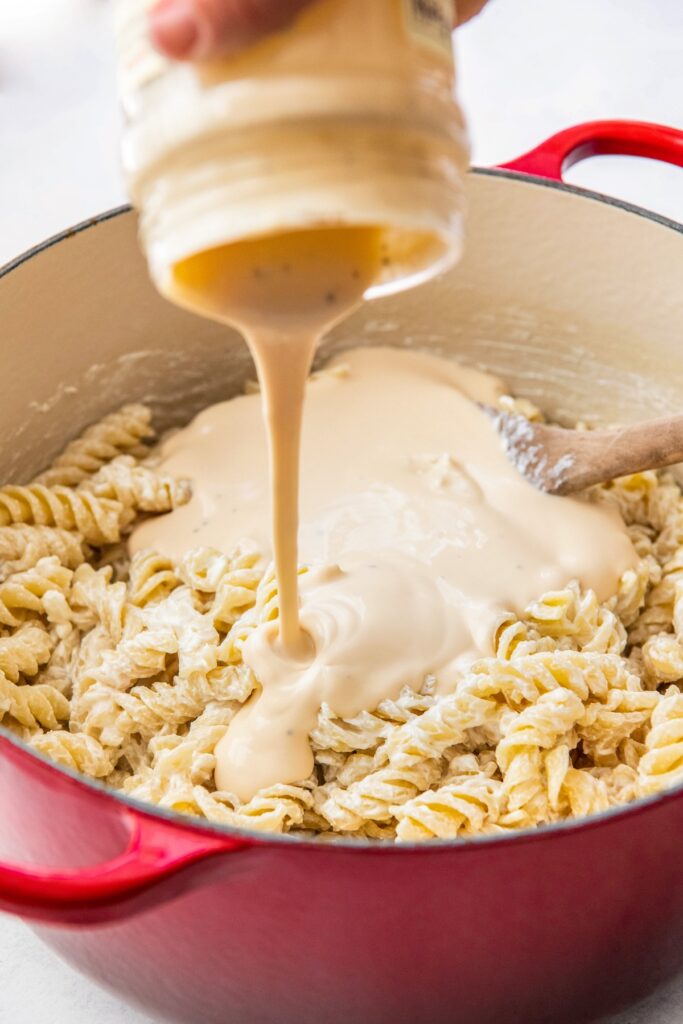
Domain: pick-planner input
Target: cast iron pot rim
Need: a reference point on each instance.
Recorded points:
(517, 836)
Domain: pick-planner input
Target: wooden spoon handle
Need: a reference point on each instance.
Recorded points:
(601, 455)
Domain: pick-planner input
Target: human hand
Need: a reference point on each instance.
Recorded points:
(198, 29)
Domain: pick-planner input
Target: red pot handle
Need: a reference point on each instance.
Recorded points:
(156, 851)
(593, 138)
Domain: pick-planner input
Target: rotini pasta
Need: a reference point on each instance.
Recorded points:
(465, 806)
(21, 546)
(130, 670)
(76, 750)
(277, 809)
(23, 652)
(123, 431)
(662, 764)
(374, 796)
(151, 578)
(39, 591)
(134, 488)
(97, 520)
(33, 705)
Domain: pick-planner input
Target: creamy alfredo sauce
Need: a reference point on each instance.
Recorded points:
(418, 533)
(283, 292)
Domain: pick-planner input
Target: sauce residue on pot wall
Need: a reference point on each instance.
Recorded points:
(417, 532)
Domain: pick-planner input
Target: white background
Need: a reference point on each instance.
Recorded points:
(527, 69)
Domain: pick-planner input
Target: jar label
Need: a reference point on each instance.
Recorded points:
(430, 22)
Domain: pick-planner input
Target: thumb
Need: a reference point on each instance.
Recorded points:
(199, 29)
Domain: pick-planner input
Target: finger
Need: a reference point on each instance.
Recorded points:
(197, 29)
(466, 9)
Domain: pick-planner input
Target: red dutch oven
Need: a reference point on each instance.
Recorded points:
(576, 300)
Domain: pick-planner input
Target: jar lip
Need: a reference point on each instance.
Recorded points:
(451, 246)
(445, 251)
(452, 251)
(410, 187)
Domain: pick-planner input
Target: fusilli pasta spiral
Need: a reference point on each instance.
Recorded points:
(121, 432)
(33, 705)
(98, 520)
(77, 751)
(21, 546)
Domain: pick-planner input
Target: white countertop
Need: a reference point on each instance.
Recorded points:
(527, 69)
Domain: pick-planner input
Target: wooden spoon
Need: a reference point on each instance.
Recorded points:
(563, 461)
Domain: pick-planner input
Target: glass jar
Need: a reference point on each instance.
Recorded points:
(347, 118)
